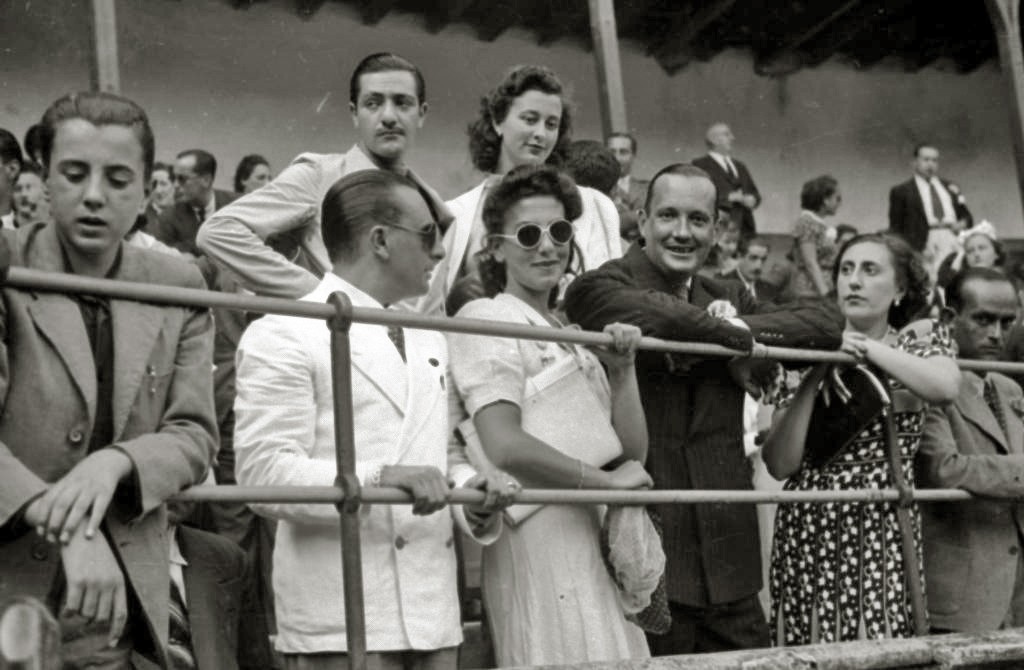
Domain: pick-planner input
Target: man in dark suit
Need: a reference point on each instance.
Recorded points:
(214, 612)
(926, 210)
(694, 405)
(737, 192)
(195, 200)
(973, 551)
(629, 193)
(752, 253)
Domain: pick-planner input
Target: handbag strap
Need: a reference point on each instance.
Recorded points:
(911, 566)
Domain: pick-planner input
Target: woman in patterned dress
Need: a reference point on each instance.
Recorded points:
(814, 240)
(837, 569)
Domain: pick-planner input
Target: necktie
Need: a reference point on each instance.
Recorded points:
(397, 336)
(937, 209)
(732, 168)
(992, 399)
(179, 641)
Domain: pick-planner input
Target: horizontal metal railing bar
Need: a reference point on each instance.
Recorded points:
(370, 495)
(30, 279)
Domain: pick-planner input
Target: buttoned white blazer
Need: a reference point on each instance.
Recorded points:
(284, 435)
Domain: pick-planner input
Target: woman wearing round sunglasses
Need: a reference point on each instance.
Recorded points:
(549, 597)
(525, 120)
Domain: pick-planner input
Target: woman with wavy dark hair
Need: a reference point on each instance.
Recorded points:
(525, 120)
(814, 240)
(253, 172)
(849, 570)
(549, 597)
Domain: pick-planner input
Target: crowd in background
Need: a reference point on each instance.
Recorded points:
(142, 401)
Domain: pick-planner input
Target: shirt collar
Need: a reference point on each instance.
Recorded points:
(211, 204)
(111, 273)
(174, 549)
(359, 298)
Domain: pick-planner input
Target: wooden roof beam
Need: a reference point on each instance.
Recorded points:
(306, 9)
(372, 11)
(786, 51)
(854, 28)
(445, 12)
(498, 19)
(674, 50)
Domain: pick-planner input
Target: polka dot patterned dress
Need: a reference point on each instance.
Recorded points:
(837, 568)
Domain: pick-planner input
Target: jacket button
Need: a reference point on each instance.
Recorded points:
(400, 542)
(76, 436)
(40, 551)
(1013, 551)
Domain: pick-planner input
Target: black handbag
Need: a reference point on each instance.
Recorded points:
(849, 400)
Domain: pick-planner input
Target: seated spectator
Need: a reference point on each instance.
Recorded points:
(751, 257)
(161, 194)
(384, 241)
(844, 233)
(722, 257)
(31, 199)
(979, 247)
(128, 415)
(212, 603)
(253, 172)
(630, 191)
(10, 166)
(866, 556)
(34, 144)
(548, 595)
(814, 241)
(973, 551)
(195, 199)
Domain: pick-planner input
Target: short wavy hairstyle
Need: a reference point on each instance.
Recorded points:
(245, 168)
(911, 275)
(816, 191)
(485, 143)
(523, 182)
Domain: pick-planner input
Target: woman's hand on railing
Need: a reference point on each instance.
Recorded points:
(629, 475)
(499, 489)
(622, 352)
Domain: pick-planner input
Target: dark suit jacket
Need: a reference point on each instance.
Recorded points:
(725, 183)
(162, 411)
(907, 216)
(766, 291)
(971, 548)
(227, 632)
(177, 226)
(694, 412)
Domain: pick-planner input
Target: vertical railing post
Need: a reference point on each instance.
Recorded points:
(345, 453)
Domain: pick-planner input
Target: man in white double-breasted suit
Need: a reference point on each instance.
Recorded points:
(384, 242)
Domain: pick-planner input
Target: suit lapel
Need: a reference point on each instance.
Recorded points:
(376, 357)
(58, 318)
(60, 322)
(971, 404)
(426, 384)
(136, 327)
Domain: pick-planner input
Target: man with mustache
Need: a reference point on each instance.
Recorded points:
(387, 99)
(972, 551)
(694, 406)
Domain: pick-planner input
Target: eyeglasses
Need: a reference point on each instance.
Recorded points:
(429, 232)
(528, 235)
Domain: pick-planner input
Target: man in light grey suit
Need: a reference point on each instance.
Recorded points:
(972, 550)
(106, 405)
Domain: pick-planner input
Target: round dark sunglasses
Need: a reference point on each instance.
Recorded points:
(529, 235)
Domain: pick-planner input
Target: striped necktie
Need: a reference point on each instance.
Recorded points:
(179, 640)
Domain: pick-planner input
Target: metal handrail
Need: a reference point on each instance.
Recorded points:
(29, 279)
(347, 494)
